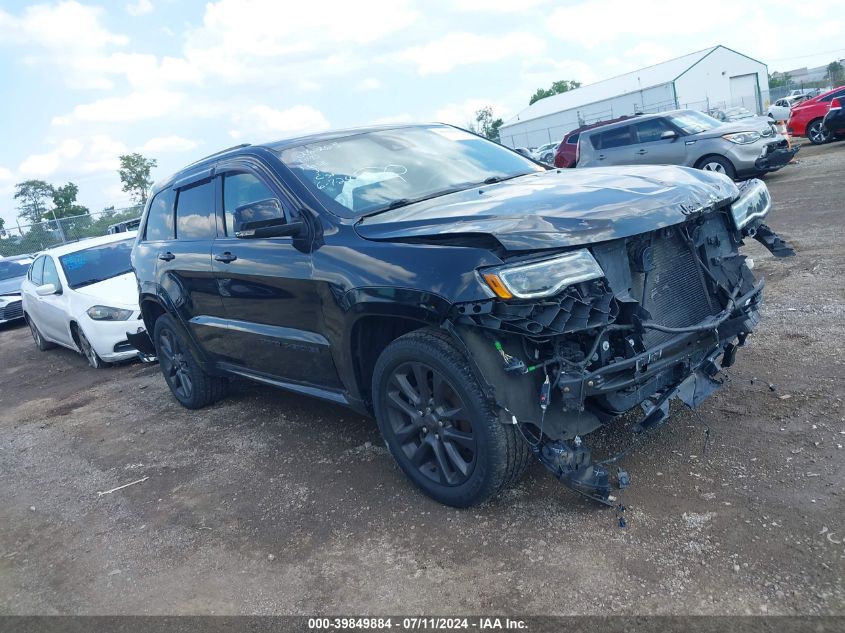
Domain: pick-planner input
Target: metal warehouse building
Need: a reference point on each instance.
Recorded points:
(711, 78)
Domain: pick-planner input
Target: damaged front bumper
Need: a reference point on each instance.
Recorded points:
(776, 157)
(670, 315)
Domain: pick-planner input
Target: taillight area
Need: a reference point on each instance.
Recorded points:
(835, 104)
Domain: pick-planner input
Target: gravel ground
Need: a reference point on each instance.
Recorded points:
(272, 503)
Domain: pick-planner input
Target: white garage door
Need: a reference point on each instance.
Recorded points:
(744, 91)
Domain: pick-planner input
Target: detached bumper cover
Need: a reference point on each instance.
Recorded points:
(776, 158)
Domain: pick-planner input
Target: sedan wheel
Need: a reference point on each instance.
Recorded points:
(817, 134)
(40, 342)
(88, 351)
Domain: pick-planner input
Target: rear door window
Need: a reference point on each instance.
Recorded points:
(195, 217)
(160, 217)
(616, 137)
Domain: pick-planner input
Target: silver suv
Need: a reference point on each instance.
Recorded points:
(740, 149)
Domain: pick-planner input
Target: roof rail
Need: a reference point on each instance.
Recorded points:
(222, 151)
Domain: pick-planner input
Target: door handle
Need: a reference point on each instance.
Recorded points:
(642, 151)
(601, 156)
(166, 256)
(226, 257)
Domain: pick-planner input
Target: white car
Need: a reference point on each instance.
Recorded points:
(84, 296)
(780, 109)
(12, 273)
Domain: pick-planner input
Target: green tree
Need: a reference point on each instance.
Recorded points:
(74, 217)
(836, 73)
(33, 195)
(486, 125)
(64, 202)
(135, 175)
(564, 85)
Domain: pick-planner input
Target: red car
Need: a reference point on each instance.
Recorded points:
(567, 152)
(807, 118)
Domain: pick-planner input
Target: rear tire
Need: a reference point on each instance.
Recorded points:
(718, 164)
(439, 425)
(42, 344)
(817, 134)
(188, 382)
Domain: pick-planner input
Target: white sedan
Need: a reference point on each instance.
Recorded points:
(84, 296)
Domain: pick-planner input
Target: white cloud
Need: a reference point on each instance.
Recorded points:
(5, 174)
(497, 6)
(370, 83)
(49, 162)
(647, 54)
(161, 144)
(65, 27)
(135, 106)
(139, 8)
(260, 121)
(75, 156)
(457, 49)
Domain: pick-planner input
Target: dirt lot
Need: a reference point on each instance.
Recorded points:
(274, 503)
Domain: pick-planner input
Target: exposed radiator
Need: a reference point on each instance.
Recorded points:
(674, 293)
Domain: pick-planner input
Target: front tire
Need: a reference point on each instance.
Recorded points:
(88, 350)
(817, 134)
(188, 382)
(718, 164)
(439, 425)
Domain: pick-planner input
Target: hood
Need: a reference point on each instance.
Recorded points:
(118, 292)
(753, 124)
(11, 286)
(559, 208)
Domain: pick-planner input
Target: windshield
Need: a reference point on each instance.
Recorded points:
(373, 171)
(97, 263)
(14, 268)
(692, 122)
(736, 114)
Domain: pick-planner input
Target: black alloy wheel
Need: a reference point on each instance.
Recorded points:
(189, 383)
(430, 422)
(174, 365)
(440, 425)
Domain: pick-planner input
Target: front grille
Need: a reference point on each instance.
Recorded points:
(13, 310)
(675, 293)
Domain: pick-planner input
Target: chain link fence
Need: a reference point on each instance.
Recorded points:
(25, 239)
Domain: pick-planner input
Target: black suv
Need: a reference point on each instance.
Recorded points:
(483, 308)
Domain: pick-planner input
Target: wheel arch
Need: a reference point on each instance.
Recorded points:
(376, 319)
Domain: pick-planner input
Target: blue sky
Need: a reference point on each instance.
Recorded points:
(84, 82)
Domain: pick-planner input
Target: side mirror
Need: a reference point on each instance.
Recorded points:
(264, 218)
(46, 290)
(669, 134)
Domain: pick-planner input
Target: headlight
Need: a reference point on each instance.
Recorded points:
(754, 202)
(742, 138)
(541, 279)
(105, 313)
